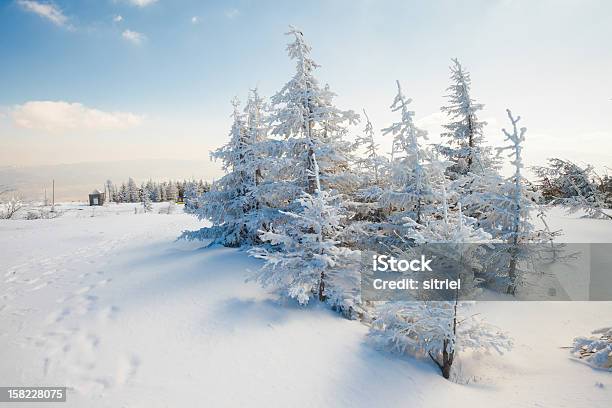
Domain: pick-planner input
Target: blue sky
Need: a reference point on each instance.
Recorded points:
(156, 82)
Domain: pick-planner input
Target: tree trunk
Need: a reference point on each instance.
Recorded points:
(470, 142)
(322, 296)
(312, 181)
(512, 275)
(447, 361)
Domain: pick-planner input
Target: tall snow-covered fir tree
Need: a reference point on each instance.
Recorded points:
(474, 169)
(304, 115)
(306, 258)
(228, 204)
(373, 163)
(464, 132)
(409, 188)
(266, 192)
(372, 169)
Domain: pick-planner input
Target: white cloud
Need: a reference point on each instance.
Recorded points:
(432, 122)
(231, 13)
(142, 3)
(118, 19)
(58, 116)
(46, 10)
(134, 37)
(195, 20)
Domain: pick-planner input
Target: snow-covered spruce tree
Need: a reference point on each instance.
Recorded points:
(306, 258)
(171, 192)
(441, 329)
(156, 194)
(145, 199)
(372, 170)
(565, 183)
(192, 192)
(475, 169)
(310, 257)
(303, 115)
(464, 134)
(191, 197)
(123, 196)
(605, 186)
(268, 163)
(227, 204)
(243, 201)
(409, 188)
(513, 207)
(132, 193)
(373, 163)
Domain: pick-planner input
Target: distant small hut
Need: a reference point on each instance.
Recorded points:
(97, 197)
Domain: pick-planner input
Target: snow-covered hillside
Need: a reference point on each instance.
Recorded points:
(115, 308)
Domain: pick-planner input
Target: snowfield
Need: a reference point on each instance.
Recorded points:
(112, 306)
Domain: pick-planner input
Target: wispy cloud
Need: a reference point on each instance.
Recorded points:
(142, 3)
(117, 19)
(232, 13)
(49, 11)
(195, 20)
(134, 37)
(59, 116)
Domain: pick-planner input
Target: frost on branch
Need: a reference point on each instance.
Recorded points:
(464, 133)
(565, 183)
(9, 205)
(595, 350)
(306, 259)
(410, 188)
(304, 115)
(438, 330)
(231, 204)
(513, 205)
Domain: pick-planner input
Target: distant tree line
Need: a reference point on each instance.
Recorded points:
(165, 191)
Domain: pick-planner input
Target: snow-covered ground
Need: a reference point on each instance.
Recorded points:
(112, 306)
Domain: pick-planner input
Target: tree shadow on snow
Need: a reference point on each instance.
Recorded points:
(250, 313)
(157, 272)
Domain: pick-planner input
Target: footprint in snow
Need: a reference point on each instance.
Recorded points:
(127, 368)
(82, 290)
(39, 287)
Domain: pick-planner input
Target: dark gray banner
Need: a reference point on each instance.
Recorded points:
(532, 272)
(32, 394)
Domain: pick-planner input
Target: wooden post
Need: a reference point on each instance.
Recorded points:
(53, 198)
